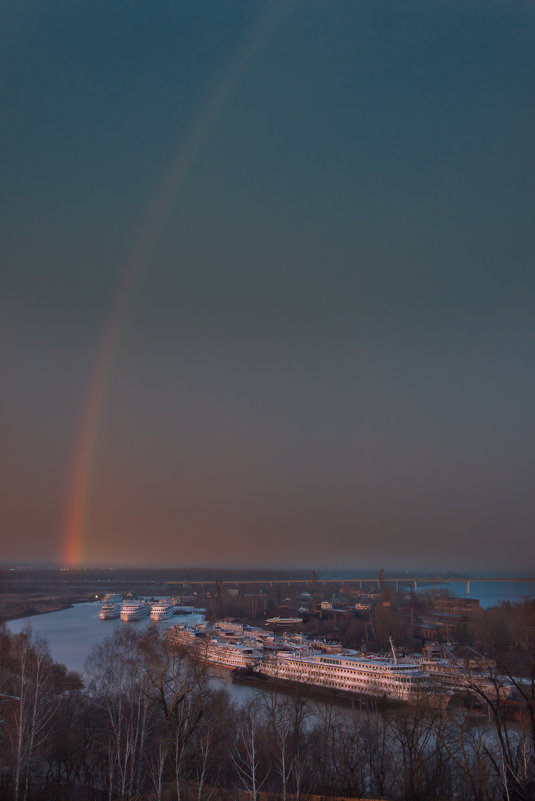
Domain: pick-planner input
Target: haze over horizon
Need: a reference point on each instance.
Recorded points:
(326, 356)
(252, 573)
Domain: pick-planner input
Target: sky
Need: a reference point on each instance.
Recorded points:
(267, 283)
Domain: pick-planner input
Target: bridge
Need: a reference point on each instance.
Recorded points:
(361, 581)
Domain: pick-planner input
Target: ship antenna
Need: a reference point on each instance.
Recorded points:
(393, 650)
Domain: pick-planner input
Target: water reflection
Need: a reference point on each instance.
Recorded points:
(73, 633)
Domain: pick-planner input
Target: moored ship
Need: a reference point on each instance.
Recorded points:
(181, 636)
(210, 649)
(109, 611)
(133, 609)
(162, 611)
(402, 680)
(229, 655)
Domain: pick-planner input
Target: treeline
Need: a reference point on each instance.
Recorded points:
(151, 725)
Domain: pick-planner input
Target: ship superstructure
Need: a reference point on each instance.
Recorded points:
(402, 680)
(109, 611)
(162, 610)
(134, 609)
(230, 655)
(111, 606)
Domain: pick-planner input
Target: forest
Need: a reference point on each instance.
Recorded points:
(149, 724)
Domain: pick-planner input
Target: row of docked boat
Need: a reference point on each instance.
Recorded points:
(295, 658)
(128, 609)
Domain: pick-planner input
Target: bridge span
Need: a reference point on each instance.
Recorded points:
(361, 581)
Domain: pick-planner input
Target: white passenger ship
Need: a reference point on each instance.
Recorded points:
(213, 650)
(402, 680)
(183, 636)
(163, 610)
(108, 611)
(111, 606)
(226, 655)
(133, 609)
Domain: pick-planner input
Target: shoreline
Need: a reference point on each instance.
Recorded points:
(20, 607)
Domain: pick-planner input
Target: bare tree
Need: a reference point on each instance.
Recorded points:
(118, 682)
(31, 714)
(412, 728)
(511, 749)
(178, 686)
(156, 758)
(501, 679)
(278, 714)
(301, 712)
(466, 744)
(203, 765)
(324, 740)
(247, 755)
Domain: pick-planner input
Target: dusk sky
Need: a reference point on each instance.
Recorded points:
(268, 283)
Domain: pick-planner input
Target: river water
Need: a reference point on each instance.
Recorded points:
(489, 593)
(72, 634)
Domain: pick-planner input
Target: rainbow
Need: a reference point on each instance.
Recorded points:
(72, 549)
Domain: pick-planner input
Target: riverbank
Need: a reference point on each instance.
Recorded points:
(15, 607)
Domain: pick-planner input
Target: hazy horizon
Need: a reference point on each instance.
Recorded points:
(370, 572)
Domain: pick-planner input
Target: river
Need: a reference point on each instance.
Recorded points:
(72, 634)
(489, 593)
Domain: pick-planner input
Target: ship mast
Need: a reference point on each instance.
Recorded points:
(393, 651)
